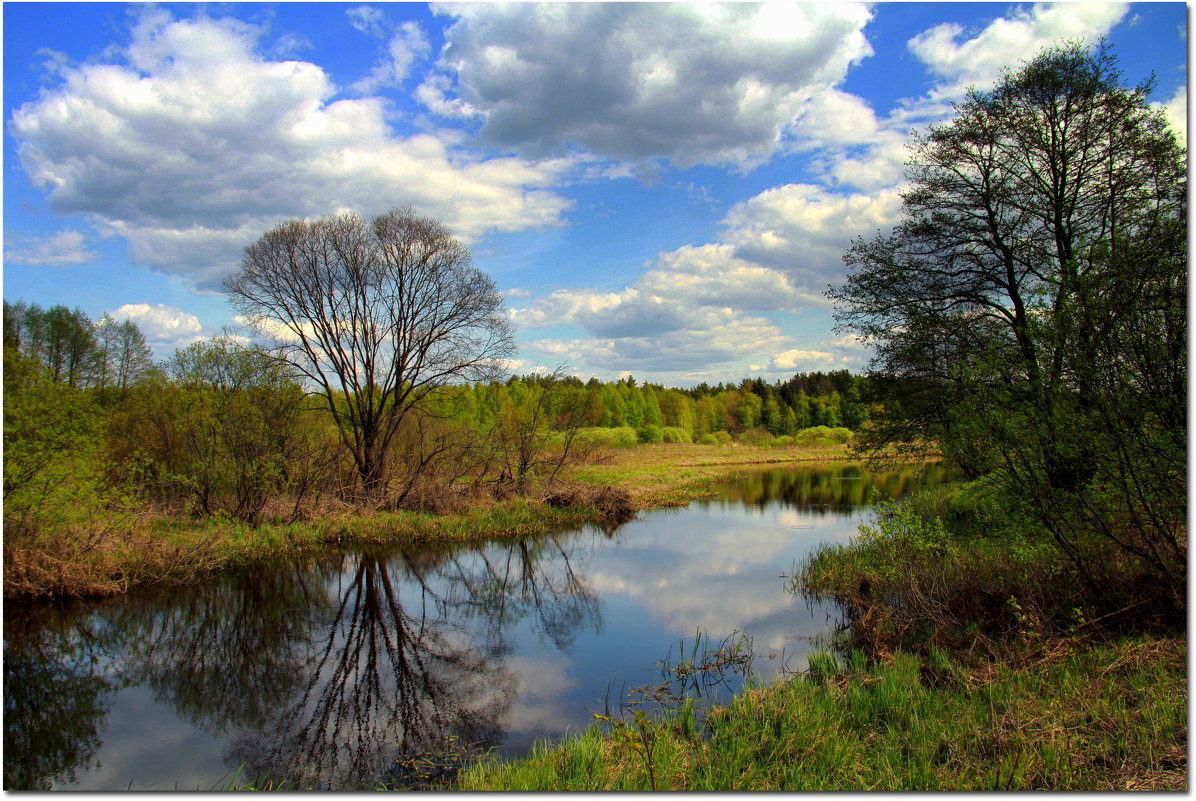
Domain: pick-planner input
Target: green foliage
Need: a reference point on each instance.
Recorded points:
(822, 435)
(758, 436)
(53, 465)
(621, 437)
(227, 433)
(674, 434)
(650, 433)
(1030, 317)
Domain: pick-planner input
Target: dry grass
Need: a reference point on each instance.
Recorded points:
(112, 554)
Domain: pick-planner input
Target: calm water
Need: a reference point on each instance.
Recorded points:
(323, 672)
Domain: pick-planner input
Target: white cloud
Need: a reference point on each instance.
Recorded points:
(795, 359)
(699, 306)
(199, 145)
(692, 309)
(368, 19)
(161, 323)
(803, 229)
(700, 345)
(851, 146)
(272, 329)
(1176, 112)
(694, 83)
(289, 44)
(64, 247)
(407, 44)
(978, 60)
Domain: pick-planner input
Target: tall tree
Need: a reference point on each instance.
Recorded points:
(1021, 217)
(123, 356)
(373, 314)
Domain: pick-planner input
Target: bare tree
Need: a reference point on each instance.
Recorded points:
(123, 357)
(375, 314)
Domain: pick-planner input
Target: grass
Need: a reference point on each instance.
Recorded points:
(975, 660)
(674, 474)
(1077, 716)
(136, 549)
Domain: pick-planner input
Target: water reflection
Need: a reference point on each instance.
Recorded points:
(388, 672)
(838, 489)
(328, 673)
(54, 698)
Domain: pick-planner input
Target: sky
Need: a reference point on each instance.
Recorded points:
(658, 190)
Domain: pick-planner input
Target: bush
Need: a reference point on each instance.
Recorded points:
(757, 437)
(822, 436)
(909, 581)
(650, 433)
(675, 434)
(622, 437)
(716, 438)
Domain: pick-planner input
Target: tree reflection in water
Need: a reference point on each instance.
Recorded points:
(390, 681)
(321, 674)
(54, 697)
(828, 490)
(502, 585)
(226, 655)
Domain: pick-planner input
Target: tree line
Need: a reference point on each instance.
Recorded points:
(226, 427)
(781, 408)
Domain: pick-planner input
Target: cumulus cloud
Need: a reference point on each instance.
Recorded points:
(199, 144)
(699, 349)
(1176, 112)
(64, 247)
(851, 146)
(803, 229)
(794, 359)
(978, 60)
(694, 308)
(692, 287)
(370, 20)
(694, 83)
(704, 305)
(160, 323)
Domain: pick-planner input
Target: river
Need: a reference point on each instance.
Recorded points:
(323, 673)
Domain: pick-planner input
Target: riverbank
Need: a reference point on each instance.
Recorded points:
(139, 548)
(1070, 715)
(977, 657)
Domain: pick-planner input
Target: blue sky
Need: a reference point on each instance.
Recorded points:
(661, 190)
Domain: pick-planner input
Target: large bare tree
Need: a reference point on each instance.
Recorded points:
(375, 314)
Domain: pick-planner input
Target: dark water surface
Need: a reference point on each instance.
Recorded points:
(323, 672)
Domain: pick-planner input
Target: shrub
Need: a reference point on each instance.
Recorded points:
(650, 433)
(716, 438)
(675, 434)
(909, 581)
(758, 437)
(822, 436)
(622, 437)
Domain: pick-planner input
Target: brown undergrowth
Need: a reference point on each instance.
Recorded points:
(102, 550)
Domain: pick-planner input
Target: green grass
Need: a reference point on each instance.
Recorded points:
(1106, 716)
(671, 474)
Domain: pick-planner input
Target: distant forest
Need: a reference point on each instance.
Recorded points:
(110, 358)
